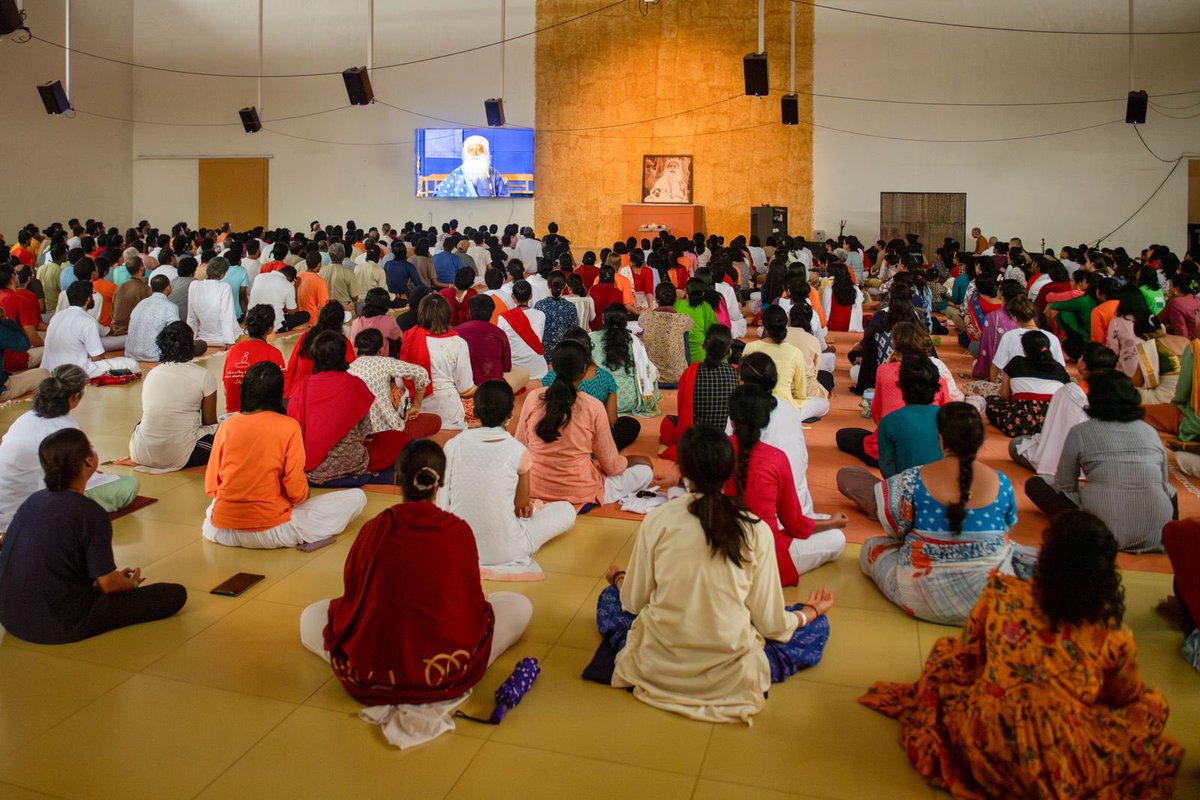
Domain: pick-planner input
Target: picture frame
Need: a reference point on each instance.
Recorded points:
(667, 179)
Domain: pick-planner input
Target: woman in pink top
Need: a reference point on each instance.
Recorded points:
(375, 315)
(1183, 305)
(563, 429)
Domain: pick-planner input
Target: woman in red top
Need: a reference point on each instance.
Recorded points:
(459, 296)
(604, 294)
(764, 477)
(413, 625)
(260, 327)
(300, 363)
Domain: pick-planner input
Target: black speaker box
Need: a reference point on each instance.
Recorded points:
(10, 17)
(754, 65)
(358, 86)
(54, 98)
(1135, 108)
(495, 112)
(250, 120)
(790, 108)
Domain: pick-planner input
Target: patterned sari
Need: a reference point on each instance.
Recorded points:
(923, 567)
(1017, 707)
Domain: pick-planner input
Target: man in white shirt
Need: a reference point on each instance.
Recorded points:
(522, 354)
(73, 337)
(166, 266)
(211, 314)
(537, 285)
(529, 250)
(250, 261)
(278, 290)
(480, 254)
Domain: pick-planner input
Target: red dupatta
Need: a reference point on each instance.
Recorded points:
(415, 350)
(687, 391)
(520, 323)
(334, 402)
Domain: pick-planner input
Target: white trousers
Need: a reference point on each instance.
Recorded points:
(814, 407)
(628, 483)
(547, 522)
(513, 612)
(317, 518)
(820, 548)
(854, 370)
(827, 362)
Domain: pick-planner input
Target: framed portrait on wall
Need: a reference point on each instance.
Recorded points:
(666, 179)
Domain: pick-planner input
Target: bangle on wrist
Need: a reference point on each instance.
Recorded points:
(803, 617)
(618, 574)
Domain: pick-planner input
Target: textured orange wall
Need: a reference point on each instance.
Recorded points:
(618, 67)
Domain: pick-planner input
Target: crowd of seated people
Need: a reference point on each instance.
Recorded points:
(535, 369)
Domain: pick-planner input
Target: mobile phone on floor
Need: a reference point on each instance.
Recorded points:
(237, 584)
(308, 547)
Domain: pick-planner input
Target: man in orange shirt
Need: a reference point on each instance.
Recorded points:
(311, 290)
(106, 289)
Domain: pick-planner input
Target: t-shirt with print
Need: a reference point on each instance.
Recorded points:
(238, 361)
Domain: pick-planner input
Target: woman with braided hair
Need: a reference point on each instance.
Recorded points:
(763, 477)
(946, 527)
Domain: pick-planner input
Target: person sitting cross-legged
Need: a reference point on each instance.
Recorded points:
(256, 479)
(697, 620)
(58, 580)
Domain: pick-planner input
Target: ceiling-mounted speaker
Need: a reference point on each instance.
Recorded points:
(1135, 108)
(495, 112)
(10, 17)
(54, 98)
(790, 108)
(754, 65)
(250, 120)
(358, 86)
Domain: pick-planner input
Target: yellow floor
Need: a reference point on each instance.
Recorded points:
(223, 702)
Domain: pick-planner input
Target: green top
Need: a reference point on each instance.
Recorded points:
(1154, 299)
(704, 318)
(1076, 314)
(1189, 426)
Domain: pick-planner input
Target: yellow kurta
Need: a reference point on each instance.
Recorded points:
(789, 363)
(696, 647)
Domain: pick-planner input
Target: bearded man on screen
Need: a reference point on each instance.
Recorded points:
(671, 186)
(475, 176)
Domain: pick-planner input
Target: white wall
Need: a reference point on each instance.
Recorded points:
(1067, 189)
(315, 180)
(55, 168)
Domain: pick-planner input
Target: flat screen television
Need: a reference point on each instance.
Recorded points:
(468, 163)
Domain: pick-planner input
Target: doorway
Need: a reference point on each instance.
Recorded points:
(234, 190)
(1193, 240)
(931, 215)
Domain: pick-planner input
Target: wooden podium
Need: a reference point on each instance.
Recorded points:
(678, 219)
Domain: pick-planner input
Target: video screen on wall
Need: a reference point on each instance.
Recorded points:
(469, 163)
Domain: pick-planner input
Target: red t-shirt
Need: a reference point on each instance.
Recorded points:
(23, 254)
(21, 306)
(604, 295)
(271, 266)
(240, 358)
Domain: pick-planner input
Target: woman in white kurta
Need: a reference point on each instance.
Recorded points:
(698, 618)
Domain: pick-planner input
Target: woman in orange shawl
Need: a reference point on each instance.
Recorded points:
(1040, 697)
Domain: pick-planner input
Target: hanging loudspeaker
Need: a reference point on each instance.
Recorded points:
(1135, 108)
(10, 17)
(754, 65)
(250, 120)
(54, 98)
(358, 86)
(495, 112)
(790, 106)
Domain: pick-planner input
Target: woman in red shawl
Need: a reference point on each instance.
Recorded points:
(300, 364)
(332, 407)
(414, 626)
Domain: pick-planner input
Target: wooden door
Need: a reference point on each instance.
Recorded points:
(234, 190)
(931, 215)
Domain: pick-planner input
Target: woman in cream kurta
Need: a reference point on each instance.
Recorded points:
(696, 647)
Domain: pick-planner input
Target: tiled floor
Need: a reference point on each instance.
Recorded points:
(223, 702)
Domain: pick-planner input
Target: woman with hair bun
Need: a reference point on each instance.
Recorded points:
(1040, 695)
(413, 626)
(1027, 386)
(21, 472)
(946, 527)
(1123, 463)
(698, 620)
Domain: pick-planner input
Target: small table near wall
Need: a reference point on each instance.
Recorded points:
(680, 219)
